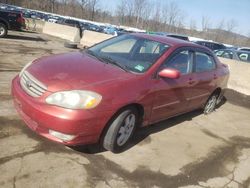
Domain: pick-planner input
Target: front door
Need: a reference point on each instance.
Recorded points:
(171, 94)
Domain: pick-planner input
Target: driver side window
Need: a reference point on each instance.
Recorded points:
(180, 62)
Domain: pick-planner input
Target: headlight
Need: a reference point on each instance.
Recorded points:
(24, 68)
(75, 99)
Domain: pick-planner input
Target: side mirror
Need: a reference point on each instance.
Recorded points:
(169, 73)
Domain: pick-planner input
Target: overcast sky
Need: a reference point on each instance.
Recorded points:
(215, 10)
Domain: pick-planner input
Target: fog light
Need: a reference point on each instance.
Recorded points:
(61, 136)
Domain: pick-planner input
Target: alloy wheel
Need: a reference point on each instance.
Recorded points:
(210, 106)
(126, 129)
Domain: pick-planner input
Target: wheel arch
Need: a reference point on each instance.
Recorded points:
(137, 106)
(5, 23)
(217, 91)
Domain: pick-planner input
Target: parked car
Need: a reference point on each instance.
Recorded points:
(91, 27)
(10, 20)
(52, 20)
(239, 55)
(244, 49)
(182, 37)
(110, 30)
(69, 22)
(178, 36)
(211, 45)
(72, 23)
(102, 94)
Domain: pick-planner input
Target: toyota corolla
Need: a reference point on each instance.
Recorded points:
(102, 94)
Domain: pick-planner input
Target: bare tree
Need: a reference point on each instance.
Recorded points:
(135, 12)
(219, 34)
(174, 12)
(93, 4)
(165, 15)
(205, 23)
(171, 16)
(139, 7)
(156, 17)
(121, 11)
(231, 25)
(83, 4)
(192, 27)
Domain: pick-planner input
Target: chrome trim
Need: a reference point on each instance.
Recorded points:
(198, 96)
(31, 85)
(164, 105)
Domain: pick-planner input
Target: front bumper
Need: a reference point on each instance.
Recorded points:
(86, 125)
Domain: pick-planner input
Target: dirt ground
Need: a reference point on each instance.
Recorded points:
(192, 150)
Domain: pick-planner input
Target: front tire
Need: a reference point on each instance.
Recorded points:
(211, 104)
(120, 130)
(3, 30)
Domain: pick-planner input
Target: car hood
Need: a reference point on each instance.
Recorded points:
(77, 70)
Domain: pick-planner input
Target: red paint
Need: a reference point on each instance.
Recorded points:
(169, 73)
(160, 97)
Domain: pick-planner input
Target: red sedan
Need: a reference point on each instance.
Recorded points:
(103, 93)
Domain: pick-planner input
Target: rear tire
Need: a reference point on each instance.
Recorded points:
(211, 104)
(120, 130)
(3, 30)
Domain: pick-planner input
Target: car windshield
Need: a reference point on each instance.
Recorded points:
(131, 53)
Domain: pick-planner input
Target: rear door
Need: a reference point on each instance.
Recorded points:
(205, 75)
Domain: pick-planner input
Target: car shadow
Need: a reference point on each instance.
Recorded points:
(18, 37)
(142, 134)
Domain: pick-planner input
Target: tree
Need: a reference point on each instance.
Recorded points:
(156, 16)
(205, 23)
(83, 4)
(171, 16)
(219, 35)
(139, 10)
(192, 27)
(93, 4)
(121, 11)
(231, 25)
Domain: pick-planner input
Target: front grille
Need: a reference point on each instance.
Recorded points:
(31, 85)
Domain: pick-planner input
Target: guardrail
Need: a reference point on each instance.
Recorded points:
(90, 38)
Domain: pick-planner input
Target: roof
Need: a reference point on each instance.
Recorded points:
(169, 40)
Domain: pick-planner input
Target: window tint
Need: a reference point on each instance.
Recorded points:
(180, 62)
(203, 62)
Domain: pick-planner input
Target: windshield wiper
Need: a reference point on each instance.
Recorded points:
(114, 62)
(107, 59)
(90, 52)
